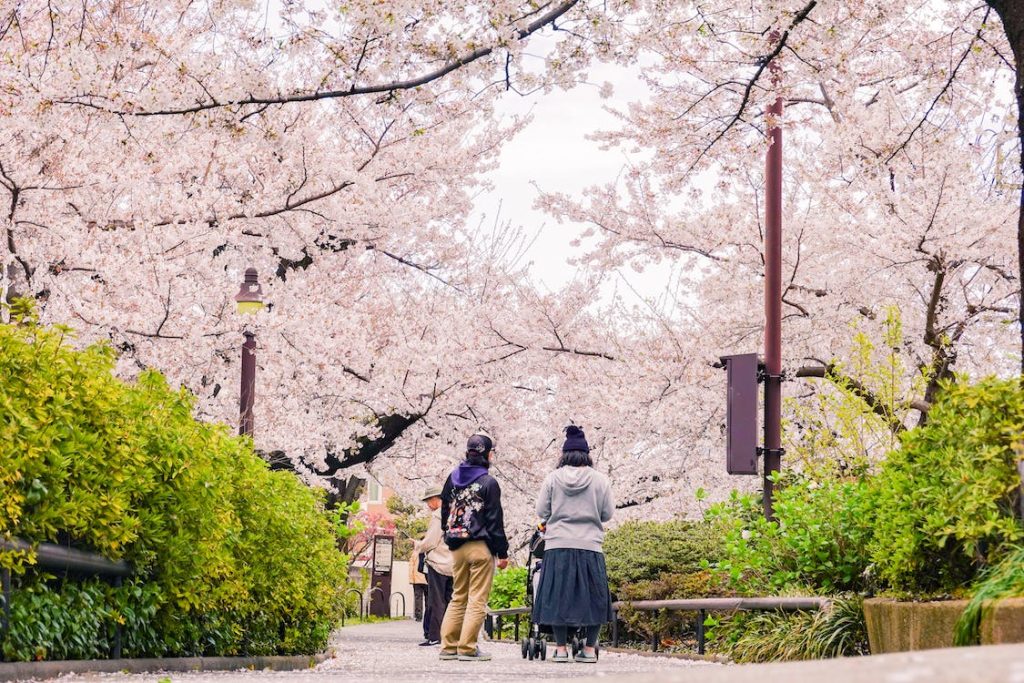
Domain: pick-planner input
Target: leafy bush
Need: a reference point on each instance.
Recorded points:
(940, 508)
(232, 557)
(76, 620)
(668, 586)
(509, 588)
(643, 551)
(818, 545)
(662, 561)
(946, 497)
(777, 636)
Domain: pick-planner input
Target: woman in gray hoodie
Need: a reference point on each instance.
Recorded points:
(575, 502)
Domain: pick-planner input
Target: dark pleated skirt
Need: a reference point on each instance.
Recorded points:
(573, 589)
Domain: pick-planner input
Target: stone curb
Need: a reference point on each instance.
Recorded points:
(20, 671)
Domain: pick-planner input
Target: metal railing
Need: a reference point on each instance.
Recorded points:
(383, 597)
(69, 561)
(391, 611)
(359, 593)
(701, 606)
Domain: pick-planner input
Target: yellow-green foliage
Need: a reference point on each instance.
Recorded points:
(946, 497)
(244, 558)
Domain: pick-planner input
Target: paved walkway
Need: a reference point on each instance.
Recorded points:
(380, 653)
(987, 664)
(388, 653)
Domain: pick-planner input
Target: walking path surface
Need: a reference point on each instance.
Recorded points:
(388, 652)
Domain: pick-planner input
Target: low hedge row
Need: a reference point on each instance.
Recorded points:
(229, 556)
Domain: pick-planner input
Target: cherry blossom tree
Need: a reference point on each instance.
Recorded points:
(900, 181)
(153, 150)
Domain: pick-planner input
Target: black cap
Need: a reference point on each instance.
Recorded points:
(479, 443)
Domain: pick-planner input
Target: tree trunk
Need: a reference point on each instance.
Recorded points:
(1011, 12)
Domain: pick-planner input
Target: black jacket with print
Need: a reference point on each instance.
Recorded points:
(471, 509)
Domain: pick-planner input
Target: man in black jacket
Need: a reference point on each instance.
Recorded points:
(474, 526)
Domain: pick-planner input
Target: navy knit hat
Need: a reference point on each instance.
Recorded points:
(575, 440)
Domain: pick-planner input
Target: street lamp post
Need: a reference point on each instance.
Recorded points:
(249, 300)
(773, 295)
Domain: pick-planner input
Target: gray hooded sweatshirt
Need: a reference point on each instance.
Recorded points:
(575, 502)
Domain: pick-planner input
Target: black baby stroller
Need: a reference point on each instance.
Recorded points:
(535, 644)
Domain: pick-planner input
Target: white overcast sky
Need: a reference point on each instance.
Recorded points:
(553, 153)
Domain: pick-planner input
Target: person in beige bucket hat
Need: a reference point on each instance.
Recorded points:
(439, 568)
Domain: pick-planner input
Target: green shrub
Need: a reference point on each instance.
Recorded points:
(231, 556)
(53, 619)
(818, 545)
(643, 551)
(509, 588)
(668, 586)
(946, 496)
(662, 561)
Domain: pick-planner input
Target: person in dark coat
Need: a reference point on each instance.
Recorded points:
(474, 526)
(575, 502)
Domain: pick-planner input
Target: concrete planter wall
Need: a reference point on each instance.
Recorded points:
(895, 626)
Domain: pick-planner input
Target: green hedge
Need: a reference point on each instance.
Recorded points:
(229, 556)
(938, 515)
(643, 551)
(946, 497)
(819, 544)
(940, 509)
(662, 561)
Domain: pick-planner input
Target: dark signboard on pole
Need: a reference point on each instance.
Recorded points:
(741, 414)
(380, 577)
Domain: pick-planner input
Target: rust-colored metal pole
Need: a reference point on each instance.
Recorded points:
(249, 300)
(247, 396)
(773, 296)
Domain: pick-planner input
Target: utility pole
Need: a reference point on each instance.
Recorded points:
(773, 293)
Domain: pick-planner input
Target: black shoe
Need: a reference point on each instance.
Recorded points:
(428, 643)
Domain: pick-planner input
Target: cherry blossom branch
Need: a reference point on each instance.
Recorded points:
(382, 88)
(946, 86)
(578, 352)
(412, 264)
(391, 426)
(762, 64)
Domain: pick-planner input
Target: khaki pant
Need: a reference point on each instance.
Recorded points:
(474, 572)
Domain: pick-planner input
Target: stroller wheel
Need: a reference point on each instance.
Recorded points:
(542, 647)
(526, 647)
(531, 649)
